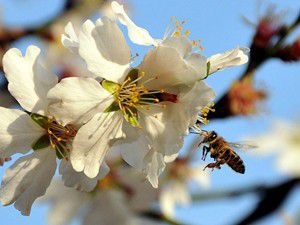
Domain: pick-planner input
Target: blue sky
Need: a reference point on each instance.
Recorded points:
(218, 23)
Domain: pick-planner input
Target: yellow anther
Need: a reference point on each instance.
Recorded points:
(58, 139)
(187, 32)
(49, 132)
(156, 100)
(147, 108)
(177, 33)
(162, 90)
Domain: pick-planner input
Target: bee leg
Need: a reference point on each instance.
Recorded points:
(205, 152)
(213, 166)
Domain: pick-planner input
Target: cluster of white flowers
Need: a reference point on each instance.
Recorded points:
(143, 113)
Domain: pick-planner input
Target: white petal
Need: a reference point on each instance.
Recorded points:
(136, 34)
(27, 179)
(155, 165)
(200, 176)
(113, 211)
(79, 180)
(234, 57)
(29, 82)
(198, 63)
(78, 99)
(70, 39)
(184, 47)
(172, 194)
(169, 67)
(134, 148)
(104, 49)
(93, 140)
(65, 203)
(182, 44)
(17, 132)
(178, 117)
(289, 162)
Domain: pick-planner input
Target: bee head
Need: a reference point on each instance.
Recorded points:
(211, 136)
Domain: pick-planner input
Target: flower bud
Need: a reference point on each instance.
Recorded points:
(243, 97)
(290, 52)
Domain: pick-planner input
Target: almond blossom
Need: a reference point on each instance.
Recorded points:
(283, 139)
(29, 177)
(138, 35)
(151, 105)
(175, 190)
(114, 201)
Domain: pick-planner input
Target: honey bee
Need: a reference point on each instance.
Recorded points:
(221, 151)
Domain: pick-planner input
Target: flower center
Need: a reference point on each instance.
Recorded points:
(243, 97)
(133, 96)
(59, 137)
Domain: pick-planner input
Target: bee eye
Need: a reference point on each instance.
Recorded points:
(214, 134)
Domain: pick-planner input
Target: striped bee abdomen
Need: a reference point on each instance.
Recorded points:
(236, 163)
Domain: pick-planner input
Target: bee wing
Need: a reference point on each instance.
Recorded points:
(242, 145)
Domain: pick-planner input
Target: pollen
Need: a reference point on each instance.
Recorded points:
(187, 32)
(134, 97)
(60, 137)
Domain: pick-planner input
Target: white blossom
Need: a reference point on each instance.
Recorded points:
(283, 140)
(156, 100)
(175, 191)
(109, 203)
(29, 177)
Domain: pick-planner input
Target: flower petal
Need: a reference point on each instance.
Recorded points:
(28, 80)
(104, 49)
(78, 99)
(17, 132)
(114, 201)
(93, 140)
(234, 57)
(182, 44)
(200, 176)
(136, 34)
(170, 69)
(198, 63)
(183, 114)
(172, 194)
(27, 179)
(134, 152)
(79, 180)
(65, 203)
(155, 165)
(70, 39)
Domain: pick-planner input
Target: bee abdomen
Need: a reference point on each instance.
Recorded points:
(236, 163)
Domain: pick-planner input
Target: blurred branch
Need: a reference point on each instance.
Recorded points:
(258, 56)
(271, 198)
